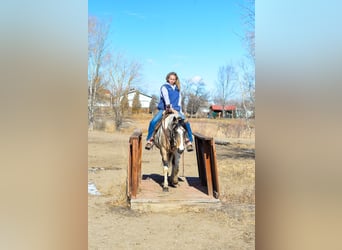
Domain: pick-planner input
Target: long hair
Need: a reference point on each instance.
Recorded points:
(177, 79)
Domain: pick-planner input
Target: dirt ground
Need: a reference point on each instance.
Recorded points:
(112, 225)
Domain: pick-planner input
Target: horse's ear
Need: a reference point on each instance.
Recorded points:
(174, 122)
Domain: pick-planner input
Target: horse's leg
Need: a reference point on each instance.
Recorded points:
(175, 169)
(165, 170)
(165, 184)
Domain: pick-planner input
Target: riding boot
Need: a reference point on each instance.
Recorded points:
(186, 126)
(149, 144)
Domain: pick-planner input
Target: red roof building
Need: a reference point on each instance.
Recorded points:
(226, 108)
(216, 110)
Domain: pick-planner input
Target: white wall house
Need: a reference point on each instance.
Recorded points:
(144, 99)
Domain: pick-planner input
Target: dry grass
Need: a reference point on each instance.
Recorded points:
(236, 167)
(119, 200)
(237, 182)
(220, 128)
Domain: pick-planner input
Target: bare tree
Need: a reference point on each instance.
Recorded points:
(247, 72)
(102, 95)
(226, 86)
(195, 102)
(97, 53)
(247, 8)
(122, 74)
(247, 86)
(185, 92)
(153, 104)
(193, 95)
(124, 103)
(136, 104)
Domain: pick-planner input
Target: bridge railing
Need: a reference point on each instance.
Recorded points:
(134, 164)
(207, 164)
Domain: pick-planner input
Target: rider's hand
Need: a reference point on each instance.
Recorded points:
(168, 109)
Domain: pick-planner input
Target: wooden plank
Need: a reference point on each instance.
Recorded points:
(188, 194)
(208, 172)
(135, 180)
(200, 160)
(140, 158)
(197, 150)
(216, 188)
(129, 171)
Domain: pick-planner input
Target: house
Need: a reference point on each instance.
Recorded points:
(228, 112)
(105, 99)
(202, 111)
(144, 99)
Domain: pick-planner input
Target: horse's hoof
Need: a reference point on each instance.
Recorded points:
(165, 189)
(174, 184)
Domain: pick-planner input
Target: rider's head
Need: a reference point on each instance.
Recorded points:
(172, 78)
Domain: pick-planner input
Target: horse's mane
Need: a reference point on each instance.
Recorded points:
(169, 118)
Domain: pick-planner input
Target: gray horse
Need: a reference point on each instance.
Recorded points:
(170, 139)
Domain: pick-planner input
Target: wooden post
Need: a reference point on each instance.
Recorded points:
(134, 164)
(135, 181)
(208, 173)
(200, 159)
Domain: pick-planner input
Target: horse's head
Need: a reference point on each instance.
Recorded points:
(177, 134)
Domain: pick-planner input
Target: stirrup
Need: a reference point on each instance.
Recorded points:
(189, 147)
(149, 145)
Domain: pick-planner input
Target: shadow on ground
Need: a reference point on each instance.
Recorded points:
(234, 151)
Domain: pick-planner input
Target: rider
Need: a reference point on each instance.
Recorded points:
(170, 101)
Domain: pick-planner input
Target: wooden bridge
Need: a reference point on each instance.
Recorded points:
(144, 191)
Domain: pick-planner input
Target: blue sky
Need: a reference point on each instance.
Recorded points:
(191, 37)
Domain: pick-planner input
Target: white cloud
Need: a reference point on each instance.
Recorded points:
(134, 14)
(196, 79)
(178, 57)
(150, 61)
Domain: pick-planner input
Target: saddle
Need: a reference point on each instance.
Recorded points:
(165, 115)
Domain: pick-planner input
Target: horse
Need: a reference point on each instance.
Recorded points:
(170, 139)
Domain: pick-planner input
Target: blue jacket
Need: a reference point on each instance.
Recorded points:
(173, 98)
